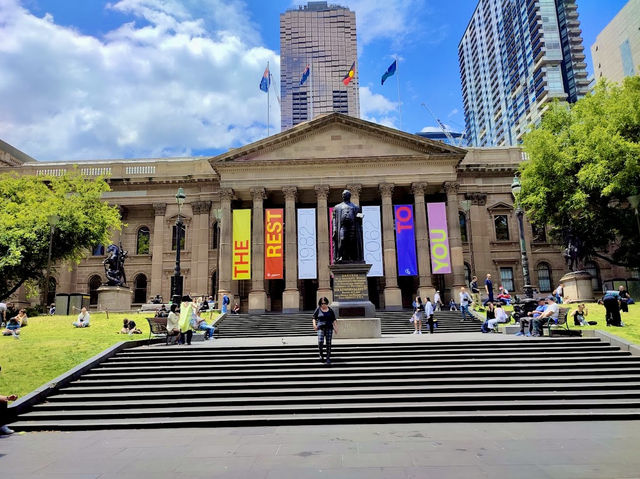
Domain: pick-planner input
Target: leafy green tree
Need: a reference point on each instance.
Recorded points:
(583, 163)
(27, 203)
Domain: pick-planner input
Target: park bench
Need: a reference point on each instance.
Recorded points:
(561, 328)
(158, 327)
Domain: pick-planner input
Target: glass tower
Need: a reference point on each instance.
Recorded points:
(515, 57)
(322, 37)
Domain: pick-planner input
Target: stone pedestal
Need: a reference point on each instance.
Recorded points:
(257, 302)
(290, 301)
(114, 298)
(351, 302)
(392, 299)
(577, 287)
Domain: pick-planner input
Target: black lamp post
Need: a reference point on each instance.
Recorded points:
(516, 187)
(53, 221)
(634, 201)
(176, 294)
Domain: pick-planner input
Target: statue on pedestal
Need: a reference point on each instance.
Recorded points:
(114, 266)
(347, 231)
(573, 253)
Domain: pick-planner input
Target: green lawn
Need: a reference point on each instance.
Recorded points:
(50, 345)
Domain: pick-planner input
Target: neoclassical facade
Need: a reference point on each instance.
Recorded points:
(307, 168)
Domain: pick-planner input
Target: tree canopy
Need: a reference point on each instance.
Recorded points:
(583, 163)
(26, 205)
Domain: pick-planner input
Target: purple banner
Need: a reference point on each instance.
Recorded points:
(439, 238)
(405, 240)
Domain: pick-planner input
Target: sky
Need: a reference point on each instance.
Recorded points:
(95, 79)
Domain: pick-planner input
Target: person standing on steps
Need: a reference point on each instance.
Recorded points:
(325, 323)
(475, 292)
(428, 314)
(418, 315)
(465, 300)
(488, 287)
(437, 301)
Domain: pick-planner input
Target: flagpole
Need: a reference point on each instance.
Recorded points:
(268, 103)
(311, 87)
(398, 83)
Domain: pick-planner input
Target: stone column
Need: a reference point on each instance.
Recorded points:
(324, 282)
(290, 295)
(425, 288)
(157, 253)
(226, 195)
(257, 296)
(355, 190)
(455, 241)
(392, 294)
(200, 255)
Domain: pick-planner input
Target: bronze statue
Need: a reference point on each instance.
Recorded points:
(347, 231)
(573, 253)
(114, 266)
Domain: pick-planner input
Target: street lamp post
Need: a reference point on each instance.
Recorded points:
(516, 187)
(218, 214)
(176, 294)
(53, 221)
(466, 207)
(634, 201)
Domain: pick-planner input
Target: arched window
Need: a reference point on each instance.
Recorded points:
(94, 283)
(98, 250)
(592, 268)
(142, 242)
(51, 296)
(545, 281)
(463, 226)
(467, 274)
(140, 289)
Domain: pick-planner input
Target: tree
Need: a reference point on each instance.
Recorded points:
(27, 203)
(583, 163)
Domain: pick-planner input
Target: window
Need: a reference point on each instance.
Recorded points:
(592, 268)
(214, 236)
(142, 242)
(539, 234)
(545, 281)
(463, 227)
(467, 274)
(501, 224)
(94, 283)
(506, 277)
(140, 289)
(174, 237)
(98, 250)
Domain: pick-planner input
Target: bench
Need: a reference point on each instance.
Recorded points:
(562, 326)
(158, 327)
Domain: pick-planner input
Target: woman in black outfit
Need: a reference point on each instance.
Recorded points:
(324, 321)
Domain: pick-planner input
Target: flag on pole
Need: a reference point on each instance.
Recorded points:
(305, 75)
(390, 71)
(266, 80)
(350, 74)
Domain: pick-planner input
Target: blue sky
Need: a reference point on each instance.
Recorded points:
(93, 79)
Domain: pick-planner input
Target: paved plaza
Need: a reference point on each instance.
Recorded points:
(561, 450)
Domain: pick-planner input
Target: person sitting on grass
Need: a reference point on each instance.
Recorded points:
(199, 324)
(13, 327)
(129, 327)
(504, 297)
(489, 315)
(22, 317)
(83, 319)
(579, 315)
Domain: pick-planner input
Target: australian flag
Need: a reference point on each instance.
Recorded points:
(266, 80)
(305, 75)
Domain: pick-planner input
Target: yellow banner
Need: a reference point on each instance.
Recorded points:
(241, 261)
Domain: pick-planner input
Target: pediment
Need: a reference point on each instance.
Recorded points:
(500, 206)
(337, 136)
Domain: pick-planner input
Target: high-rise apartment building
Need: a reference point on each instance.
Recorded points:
(515, 57)
(616, 52)
(322, 37)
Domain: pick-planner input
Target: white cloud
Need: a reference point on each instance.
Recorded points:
(431, 129)
(453, 112)
(377, 108)
(167, 82)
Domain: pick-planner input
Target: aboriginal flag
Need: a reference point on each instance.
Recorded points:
(350, 74)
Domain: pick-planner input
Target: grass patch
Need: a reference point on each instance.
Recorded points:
(631, 320)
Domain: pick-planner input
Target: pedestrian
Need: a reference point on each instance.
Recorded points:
(225, 304)
(437, 301)
(428, 314)
(623, 298)
(186, 311)
(325, 323)
(465, 299)
(612, 310)
(475, 292)
(488, 287)
(418, 315)
(559, 293)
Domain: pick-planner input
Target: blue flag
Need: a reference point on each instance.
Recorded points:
(390, 71)
(266, 80)
(305, 75)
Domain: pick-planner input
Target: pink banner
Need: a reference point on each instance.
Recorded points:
(439, 238)
(331, 236)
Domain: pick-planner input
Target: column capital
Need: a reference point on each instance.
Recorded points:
(258, 194)
(451, 187)
(290, 192)
(418, 188)
(322, 191)
(160, 209)
(386, 189)
(200, 207)
(227, 194)
(355, 189)
(478, 199)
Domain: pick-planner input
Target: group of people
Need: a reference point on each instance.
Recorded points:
(547, 310)
(614, 304)
(185, 318)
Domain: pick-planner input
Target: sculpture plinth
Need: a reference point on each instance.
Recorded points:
(351, 302)
(577, 287)
(114, 298)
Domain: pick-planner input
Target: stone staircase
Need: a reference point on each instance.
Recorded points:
(422, 381)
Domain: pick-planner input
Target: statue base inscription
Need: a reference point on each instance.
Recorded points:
(577, 287)
(351, 301)
(114, 298)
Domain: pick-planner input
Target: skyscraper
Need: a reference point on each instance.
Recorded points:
(616, 52)
(322, 37)
(515, 57)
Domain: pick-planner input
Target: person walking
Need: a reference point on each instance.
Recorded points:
(418, 315)
(186, 312)
(465, 300)
(428, 314)
(488, 287)
(437, 301)
(325, 323)
(475, 292)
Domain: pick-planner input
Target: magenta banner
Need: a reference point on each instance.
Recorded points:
(406, 241)
(439, 238)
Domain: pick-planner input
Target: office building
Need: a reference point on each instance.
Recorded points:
(616, 52)
(322, 37)
(515, 57)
